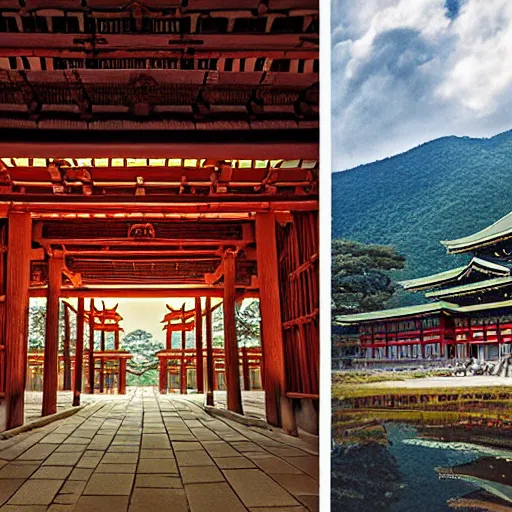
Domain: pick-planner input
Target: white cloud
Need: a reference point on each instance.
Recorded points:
(404, 73)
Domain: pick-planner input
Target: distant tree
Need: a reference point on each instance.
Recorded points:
(37, 326)
(360, 280)
(143, 347)
(248, 320)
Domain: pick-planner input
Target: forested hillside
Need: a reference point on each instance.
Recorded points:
(444, 189)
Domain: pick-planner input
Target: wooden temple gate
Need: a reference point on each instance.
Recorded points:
(185, 175)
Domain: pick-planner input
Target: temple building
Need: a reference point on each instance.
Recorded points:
(469, 313)
(162, 149)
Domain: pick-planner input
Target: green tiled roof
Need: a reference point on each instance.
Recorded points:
(470, 288)
(407, 311)
(434, 279)
(501, 228)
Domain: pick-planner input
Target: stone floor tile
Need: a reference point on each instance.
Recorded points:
(36, 492)
(38, 452)
(219, 449)
(193, 458)
(52, 472)
(217, 497)
(69, 448)
(233, 463)
(280, 509)
(28, 508)
(155, 441)
(109, 484)
(120, 448)
(120, 458)
(17, 471)
(158, 500)
(297, 484)
(89, 461)
(116, 468)
(201, 474)
(156, 454)
(308, 465)
(54, 507)
(102, 504)
(3, 463)
(310, 502)
(62, 459)
(158, 466)
(8, 488)
(256, 489)
(158, 481)
(81, 474)
(286, 451)
(54, 439)
(272, 464)
(180, 446)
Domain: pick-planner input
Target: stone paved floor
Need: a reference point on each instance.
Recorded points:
(145, 452)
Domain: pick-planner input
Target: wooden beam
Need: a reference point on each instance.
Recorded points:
(127, 292)
(210, 382)
(234, 395)
(79, 352)
(16, 315)
(234, 151)
(121, 205)
(51, 344)
(279, 408)
(199, 347)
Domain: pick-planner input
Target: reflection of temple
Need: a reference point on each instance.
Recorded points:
(471, 310)
(191, 368)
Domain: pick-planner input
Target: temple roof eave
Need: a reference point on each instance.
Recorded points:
(456, 274)
(502, 228)
(395, 313)
(470, 288)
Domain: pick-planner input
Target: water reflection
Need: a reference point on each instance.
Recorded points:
(412, 473)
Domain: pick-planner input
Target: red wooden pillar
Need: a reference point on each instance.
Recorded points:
(210, 377)
(164, 372)
(116, 340)
(67, 356)
(121, 384)
(279, 408)
(19, 244)
(234, 398)
(168, 339)
(199, 347)
(79, 351)
(183, 367)
(91, 347)
(51, 343)
(245, 368)
(102, 363)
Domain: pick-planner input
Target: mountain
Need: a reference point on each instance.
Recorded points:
(444, 189)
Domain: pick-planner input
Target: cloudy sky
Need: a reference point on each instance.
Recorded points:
(408, 71)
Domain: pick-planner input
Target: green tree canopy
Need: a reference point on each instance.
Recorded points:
(248, 320)
(360, 280)
(143, 347)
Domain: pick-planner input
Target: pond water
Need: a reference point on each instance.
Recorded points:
(418, 486)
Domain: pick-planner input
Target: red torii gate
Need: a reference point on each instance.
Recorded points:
(108, 321)
(176, 321)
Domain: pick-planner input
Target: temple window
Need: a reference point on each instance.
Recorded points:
(212, 25)
(280, 65)
(287, 25)
(250, 25)
(8, 24)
